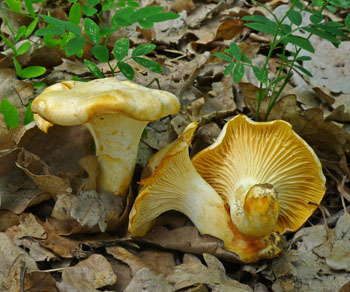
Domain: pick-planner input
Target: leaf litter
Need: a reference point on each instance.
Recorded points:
(52, 222)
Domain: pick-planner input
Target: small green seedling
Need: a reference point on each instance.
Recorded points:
(11, 115)
(283, 35)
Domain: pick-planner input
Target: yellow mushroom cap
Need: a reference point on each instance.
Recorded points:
(74, 103)
(249, 153)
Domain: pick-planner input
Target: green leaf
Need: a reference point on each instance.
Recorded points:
(259, 74)
(10, 113)
(300, 42)
(20, 32)
(32, 71)
(18, 66)
(321, 34)
(165, 16)
(235, 51)
(23, 48)
(92, 30)
(89, 11)
(149, 64)
(75, 14)
(30, 8)
(317, 3)
(52, 20)
(256, 18)
(101, 53)
(145, 23)
(223, 56)
(269, 28)
(244, 58)
(142, 50)
(285, 29)
(123, 17)
(94, 69)
(331, 29)
(28, 114)
(316, 18)
(228, 70)
(347, 21)
(71, 27)
(39, 84)
(126, 69)
(9, 43)
(121, 48)
(238, 72)
(93, 2)
(50, 30)
(295, 17)
(14, 5)
(302, 69)
(74, 45)
(146, 12)
(31, 27)
(303, 58)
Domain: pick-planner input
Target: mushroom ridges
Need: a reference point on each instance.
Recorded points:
(266, 174)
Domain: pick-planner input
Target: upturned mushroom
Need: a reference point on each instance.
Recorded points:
(174, 184)
(270, 178)
(115, 112)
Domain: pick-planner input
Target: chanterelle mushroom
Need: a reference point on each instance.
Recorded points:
(176, 185)
(266, 173)
(115, 112)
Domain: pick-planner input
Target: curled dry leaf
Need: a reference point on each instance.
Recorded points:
(193, 272)
(88, 275)
(29, 227)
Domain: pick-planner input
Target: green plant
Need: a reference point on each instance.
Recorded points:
(11, 115)
(283, 35)
(23, 32)
(68, 35)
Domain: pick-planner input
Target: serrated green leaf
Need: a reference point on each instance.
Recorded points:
(235, 51)
(31, 27)
(101, 53)
(14, 5)
(149, 64)
(28, 114)
(20, 32)
(295, 17)
(23, 48)
(300, 42)
(223, 56)
(74, 45)
(121, 48)
(238, 72)
(164, 16)
(89, 11)
(142, 50)
(30, 8)
(228, 70)
(126, 69)
(32, 71)
(75, 14)
(92, 30)
(10, 113)
(94, 69)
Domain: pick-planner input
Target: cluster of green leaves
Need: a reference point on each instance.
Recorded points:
(71, 37)
(283, 35)
(11, 115)
(68, 35)
(23, 32)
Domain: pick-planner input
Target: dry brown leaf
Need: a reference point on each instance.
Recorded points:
(90, 165)
(39, 282)
(29, 227)
(7, 219)
(193, 272)
(180, 5)
(188, 239)
(88, 275)
(145, 280)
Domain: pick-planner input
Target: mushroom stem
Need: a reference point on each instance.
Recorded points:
(116, 139)
(254, 210)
